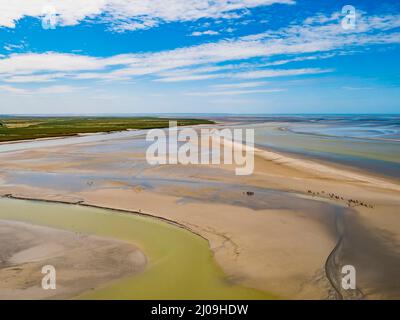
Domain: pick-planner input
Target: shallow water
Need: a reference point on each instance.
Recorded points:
(370, 143)
(65, 141)
(180, 263)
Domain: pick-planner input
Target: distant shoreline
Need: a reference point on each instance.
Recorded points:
(300, 217)
(65, 137)
(24, 129)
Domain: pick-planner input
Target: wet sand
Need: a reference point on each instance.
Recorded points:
(82, 261)
(179, 264)
(277, 240)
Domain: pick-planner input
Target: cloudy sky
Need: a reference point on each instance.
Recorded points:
(189, 56)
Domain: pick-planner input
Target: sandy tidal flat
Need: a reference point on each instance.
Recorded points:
(82, 261)
(277, 240)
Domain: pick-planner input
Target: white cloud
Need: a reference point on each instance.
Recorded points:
(258, 74)
(51, 61)
(12, 47)
(240, 85)
(357, 88)
(319, 38)
(233, 92)
(189, 78)
(202, 33)
(56, 89)
(42, 90)
(126, 14)
(326, 32)
(280, 73)
(12, 89)
(34, 78)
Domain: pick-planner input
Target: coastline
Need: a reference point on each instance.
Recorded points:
(229, 231)
(329, 267)
(26, 247)
(155, 276)
(83, 204)
(84, 134)
(328, 168)
(269, 153)
(74, 135)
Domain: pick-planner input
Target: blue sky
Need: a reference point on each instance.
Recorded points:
(224, 56)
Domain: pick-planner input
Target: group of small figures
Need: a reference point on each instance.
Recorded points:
(350, 202)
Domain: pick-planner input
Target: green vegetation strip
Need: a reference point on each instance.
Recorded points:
(24, 128)
(180, 263)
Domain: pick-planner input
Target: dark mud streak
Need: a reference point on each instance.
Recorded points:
(375, 254)
(333, 263)
(371, 252)
(355, 245)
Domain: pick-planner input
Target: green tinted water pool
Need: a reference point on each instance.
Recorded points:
(180, 263)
